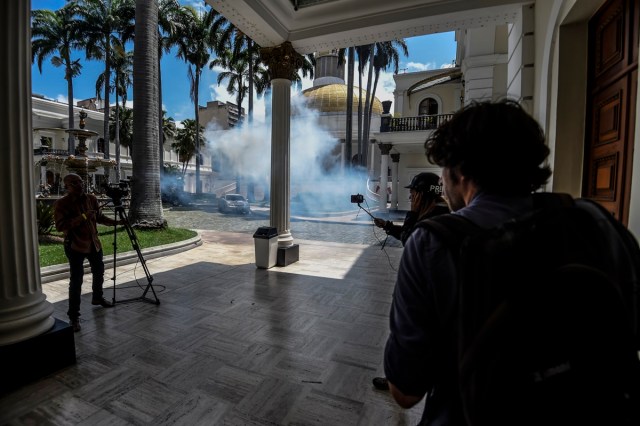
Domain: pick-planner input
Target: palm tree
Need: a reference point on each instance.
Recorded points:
(169, 129)
(168, 13)
(125, 127)
(122, 64)
(146, 200)
(186, 140)
(350, 52)
(386, 55)
(101, 21)
(237, 73)
(197, 35)
(57, 31)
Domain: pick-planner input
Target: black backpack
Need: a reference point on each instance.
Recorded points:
(547, 316)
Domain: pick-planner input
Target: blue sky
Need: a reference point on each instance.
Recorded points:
(426, 52)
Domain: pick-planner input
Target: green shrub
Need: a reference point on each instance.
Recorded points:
(45, 218)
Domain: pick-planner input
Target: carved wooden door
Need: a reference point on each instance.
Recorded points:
(613, 78)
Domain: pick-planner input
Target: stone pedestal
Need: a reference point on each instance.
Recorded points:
(37, 357)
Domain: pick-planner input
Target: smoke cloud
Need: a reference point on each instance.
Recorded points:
(318, 181)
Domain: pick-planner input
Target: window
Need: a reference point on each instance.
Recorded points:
(428, 106)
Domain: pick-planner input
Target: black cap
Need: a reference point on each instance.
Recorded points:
(426, 183)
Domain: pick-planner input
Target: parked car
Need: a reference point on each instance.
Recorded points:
(233, 203)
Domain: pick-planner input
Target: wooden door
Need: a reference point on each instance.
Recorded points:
(613, 64)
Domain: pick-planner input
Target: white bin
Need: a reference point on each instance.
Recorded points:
(266, 242)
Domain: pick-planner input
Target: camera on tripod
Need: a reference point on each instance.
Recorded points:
(116, 191)
(357, 198)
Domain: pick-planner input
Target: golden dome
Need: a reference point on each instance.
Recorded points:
(333, 98)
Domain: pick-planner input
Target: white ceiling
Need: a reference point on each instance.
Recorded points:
(344, 23)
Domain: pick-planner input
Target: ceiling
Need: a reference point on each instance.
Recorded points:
(319, 25)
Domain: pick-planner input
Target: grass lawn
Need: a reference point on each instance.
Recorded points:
(53, 253)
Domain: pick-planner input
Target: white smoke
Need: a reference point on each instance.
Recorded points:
(317, 176)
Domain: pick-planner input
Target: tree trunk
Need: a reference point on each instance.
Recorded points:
(117, 137)
(365, 126)
(70, 139)
(250, 112)
(349, 128)
(196, 100)
(107, 89)
(146, 204)
(160, 122)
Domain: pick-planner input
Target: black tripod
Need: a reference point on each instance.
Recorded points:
(120, 212)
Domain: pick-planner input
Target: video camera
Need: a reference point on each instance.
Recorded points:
(116, 191)
(357, 199)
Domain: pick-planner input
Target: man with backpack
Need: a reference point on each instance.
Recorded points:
(518, 308)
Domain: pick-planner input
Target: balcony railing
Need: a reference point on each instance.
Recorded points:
(412, 124)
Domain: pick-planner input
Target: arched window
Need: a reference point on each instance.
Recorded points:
(428, 106)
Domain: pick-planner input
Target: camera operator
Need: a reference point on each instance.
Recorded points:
(426, 201)
(76, 215)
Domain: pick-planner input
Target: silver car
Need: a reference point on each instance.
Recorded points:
(234, 203)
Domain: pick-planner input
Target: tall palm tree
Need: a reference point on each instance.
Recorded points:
(363, 53)
(101, 21)
(386, 55)
(146, 201)
(168, 13)
(185, 144)
(237, 73)
(122, 64)
(350, 53)
(197, 35)
(57, 32)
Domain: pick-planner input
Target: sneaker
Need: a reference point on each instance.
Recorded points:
(75, 324)
(102, 302)
(380, 383)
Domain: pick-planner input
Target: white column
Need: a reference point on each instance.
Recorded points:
(395, 158)
(24, 312)
(384, 170)
(280, 159)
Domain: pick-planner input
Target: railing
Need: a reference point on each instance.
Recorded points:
(43, 150)
(411, 124)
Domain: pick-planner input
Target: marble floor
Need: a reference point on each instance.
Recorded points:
(229, 344)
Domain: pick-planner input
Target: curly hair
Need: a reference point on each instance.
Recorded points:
(496, 144)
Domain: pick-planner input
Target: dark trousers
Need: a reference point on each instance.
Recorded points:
(76, 269)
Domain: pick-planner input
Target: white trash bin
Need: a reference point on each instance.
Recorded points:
(266, 242)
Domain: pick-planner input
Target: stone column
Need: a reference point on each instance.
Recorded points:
(24, 312)
(384, 167)
(283, 61)
(32, 343)
(395, 158)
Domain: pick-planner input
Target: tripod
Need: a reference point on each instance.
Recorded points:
(120, 212)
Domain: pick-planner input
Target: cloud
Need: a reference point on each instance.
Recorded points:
(418, 66)
(448, 65)
(64, 99)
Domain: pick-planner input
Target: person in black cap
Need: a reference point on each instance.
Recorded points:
(426, 201)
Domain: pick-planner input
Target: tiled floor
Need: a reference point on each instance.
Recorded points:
(229, 344)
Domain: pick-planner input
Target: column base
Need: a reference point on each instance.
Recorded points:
(29, 360)
(288, 255)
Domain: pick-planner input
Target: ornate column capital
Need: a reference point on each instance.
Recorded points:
(283, 61)
(395, 158)
(385, 148)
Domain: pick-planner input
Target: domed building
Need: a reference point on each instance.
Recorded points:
(328, 96)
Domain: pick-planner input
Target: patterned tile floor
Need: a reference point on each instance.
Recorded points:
(229, 344)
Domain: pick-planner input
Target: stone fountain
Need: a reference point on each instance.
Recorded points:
(80, 163)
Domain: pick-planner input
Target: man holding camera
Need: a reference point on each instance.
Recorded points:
(426, 201)
(77, 215)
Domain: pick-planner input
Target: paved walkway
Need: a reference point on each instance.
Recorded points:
(229, 344)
